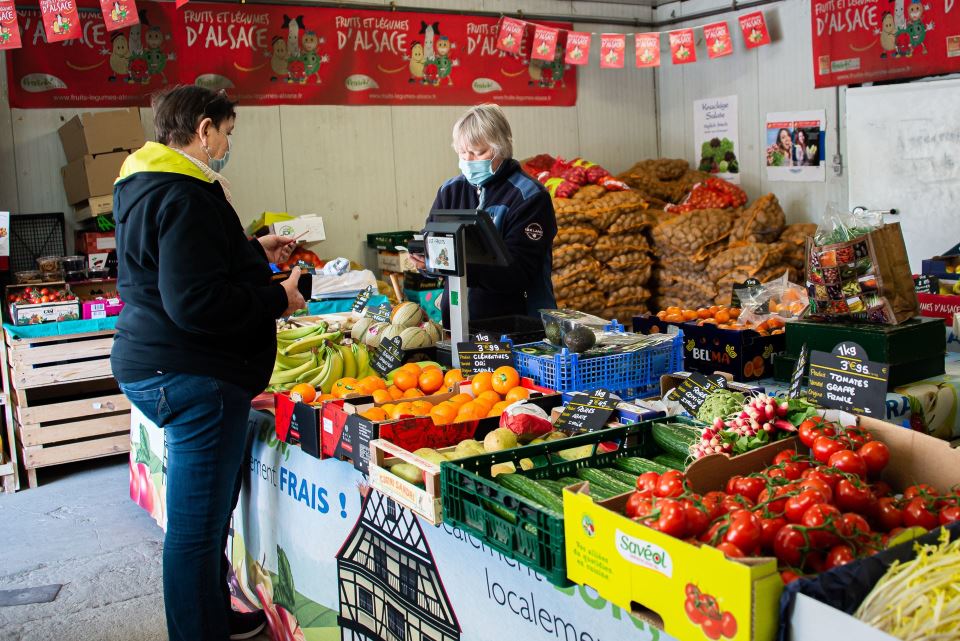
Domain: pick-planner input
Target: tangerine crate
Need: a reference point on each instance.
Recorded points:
(63, 399)
(514, 525)
(628, 374)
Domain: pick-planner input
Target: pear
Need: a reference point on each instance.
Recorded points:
(432, 455)
(409, 473)
(499, 439)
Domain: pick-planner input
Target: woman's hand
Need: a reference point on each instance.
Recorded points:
(277, 248)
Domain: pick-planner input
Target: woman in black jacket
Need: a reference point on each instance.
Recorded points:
(195, 342)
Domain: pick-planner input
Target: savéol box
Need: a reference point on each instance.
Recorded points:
(307, 229)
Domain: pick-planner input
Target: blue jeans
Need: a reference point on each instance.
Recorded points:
(204, 422)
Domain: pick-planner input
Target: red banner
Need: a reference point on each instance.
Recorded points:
(682, 47)
(718, 39)
(578, 48)
(118, 14)
(754, 28)
(882, 40)
(613, 47)
(9, 27)
(648, 49)
(270, 54)
(61, 20)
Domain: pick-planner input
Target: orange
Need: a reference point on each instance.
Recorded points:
(734, 312)
(405, 379)
(422, 408)
(402, 409)
(703, 312)
(483, 405)
(325, 397)
(469, 412)
(373, 383)
(460, 399)
(481, 383)
(306, 392)
(388, 408)
(674, 310)
(430, 380)
(662, 314)
(452, 377)
(673, 318)
(413, 368)
(344, 387)
(413, 392)
(491, 397)
(497, 409)
(395, 392)
(517, 394)
(444, 414)
(504, 379)
(375, 414)
(722, 316)
(381, 396)
(689, 314)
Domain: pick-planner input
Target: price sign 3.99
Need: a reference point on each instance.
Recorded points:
(845, 380)
(588, 414)
(483, 355)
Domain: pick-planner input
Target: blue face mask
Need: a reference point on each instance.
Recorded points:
(477, 172)
(217, 164)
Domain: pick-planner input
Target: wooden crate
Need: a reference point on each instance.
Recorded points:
(63, 400)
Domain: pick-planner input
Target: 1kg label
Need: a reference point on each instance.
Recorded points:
(483, 355)
(845, 380)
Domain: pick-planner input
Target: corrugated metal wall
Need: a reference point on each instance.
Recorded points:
(366, 169)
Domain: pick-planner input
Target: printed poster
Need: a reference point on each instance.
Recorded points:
(873, 40)
(9, 27)
(613, 48)
(273, 54)
(795, 146)
(716, 137)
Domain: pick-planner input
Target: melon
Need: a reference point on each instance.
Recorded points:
(360, 329)
(415, 338)
(432, 331)
(407, 314)
(392, 331)
(374, 334)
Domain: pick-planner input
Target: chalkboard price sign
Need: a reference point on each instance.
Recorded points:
(388, 357)
(799, 371)
(483, 355)
(588, 414)
(694, 390)
(738, 290)
(845, 380)
(380, 313)
(362, 298)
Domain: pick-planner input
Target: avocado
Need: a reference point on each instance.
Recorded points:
(552, 330)
(579, 340)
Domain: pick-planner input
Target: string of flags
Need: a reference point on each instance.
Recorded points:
(541, 42)
(61, 19)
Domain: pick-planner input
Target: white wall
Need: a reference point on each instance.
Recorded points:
(778, 77)
(367, 169)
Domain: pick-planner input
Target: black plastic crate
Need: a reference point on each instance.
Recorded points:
(33, 236)
(519, 329)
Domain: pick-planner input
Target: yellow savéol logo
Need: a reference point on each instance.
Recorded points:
(644, 554)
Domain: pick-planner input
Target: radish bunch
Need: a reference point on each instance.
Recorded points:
(762, 419)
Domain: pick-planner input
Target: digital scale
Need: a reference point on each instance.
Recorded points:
(452, 240)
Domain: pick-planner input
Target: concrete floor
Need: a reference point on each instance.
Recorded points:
(80, 529)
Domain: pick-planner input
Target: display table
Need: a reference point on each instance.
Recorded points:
(330, 559)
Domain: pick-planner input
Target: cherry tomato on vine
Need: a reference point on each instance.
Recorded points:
(853, 498)
(819, 485)
(887, 514)
(744, 532)
(839, 555)
(789, 576)
(768, 531)
(788, 545)
(849, 462)
(670, 484)
(638, 506)
(916, 513)
(784, 457)
(824, 446)
(920, 489)
(673, 518)
(855, 525)
(949, 514)
(748, 486)
(731, 550)
(826, 516)
(876, 455)
(797, 505)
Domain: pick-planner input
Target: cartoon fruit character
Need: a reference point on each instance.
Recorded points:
(577, 53)
(755, 35)
(612, 57)
(509, 40)
(646, 56)
(683, 53)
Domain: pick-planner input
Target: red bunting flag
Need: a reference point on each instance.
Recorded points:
(754, 28)
(180, 3)
(61, 20)
(718, 39)
(510, 35)
(544, 43)
(119, 14)
(648, 49)
(9, 27)
(578, 48)
(613, 46)
(683, 49)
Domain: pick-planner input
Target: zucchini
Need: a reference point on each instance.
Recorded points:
(624, 477)
(596, 477)
(637, 465)
(672, 462)
(530, 489)
(674, 440)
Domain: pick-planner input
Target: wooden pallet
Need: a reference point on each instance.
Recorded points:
(63, 400)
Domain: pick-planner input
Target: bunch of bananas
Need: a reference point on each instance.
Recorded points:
(317, 357)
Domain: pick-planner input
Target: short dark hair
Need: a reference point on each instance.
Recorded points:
(178, 112)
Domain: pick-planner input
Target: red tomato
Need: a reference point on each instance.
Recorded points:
(735, 502)
(768, 531)
(673, 519)
(824, 446)
(822, 515)
(638, 506)
(887, 514)
(813, 427)
(670, 484)
(799, 504)
(789, 576)
(45, 291)
(712, 503)
(744, 532)
(876, 455)
(949, 514)
(729, 625)
(784, 457)
(698, 520)
(693, 612)
(849, 462)
(713, 627)
(839, 555)
(917, 513)
(692, 591)
(853, 498)
(819, 485)
(854, 525)
(731, 550)
(920, 489)
(789, 545)
(750, 487)
(647, 482)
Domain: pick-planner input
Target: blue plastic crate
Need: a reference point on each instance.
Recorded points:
(630, 373)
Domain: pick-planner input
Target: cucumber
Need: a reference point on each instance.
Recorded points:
(596, 477)
(675, 440)
(624, 477)
(671, 462)
(637, 465)
(555, 486)
(530, 489)
(569, 480)
(601, 492)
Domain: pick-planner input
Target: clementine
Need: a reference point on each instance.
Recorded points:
(444, 413)
(381, 396)
(460, 399)
(306, 392)
(451, 378)
(422, 408)
(413, 392)
(395, 392)
(375, 414)
(504, 379)
(517, 394)
(430, 380)
(481, 383)
(405, 379)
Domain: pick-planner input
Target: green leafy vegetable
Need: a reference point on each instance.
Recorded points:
(720, 403)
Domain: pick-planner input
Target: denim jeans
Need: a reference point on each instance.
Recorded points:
(204, 422)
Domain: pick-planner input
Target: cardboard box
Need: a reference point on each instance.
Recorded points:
(397, 262)
(744, 353)
(814, 621)
(310, 226)
(26, 313)
(91, 134)
(96, 206)
(95, 242)
(91, 176)
(261, 225)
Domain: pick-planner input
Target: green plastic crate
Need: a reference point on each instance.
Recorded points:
(389, 240)
(910, 341)
(512, 524)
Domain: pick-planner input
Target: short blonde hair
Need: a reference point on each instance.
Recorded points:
(484, 125)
